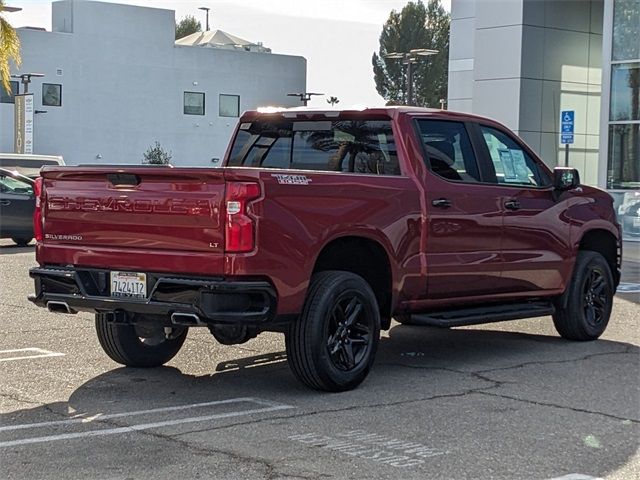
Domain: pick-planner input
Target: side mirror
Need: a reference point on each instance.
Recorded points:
(565, 178)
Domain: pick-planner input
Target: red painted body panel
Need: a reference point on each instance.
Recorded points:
(173, 221)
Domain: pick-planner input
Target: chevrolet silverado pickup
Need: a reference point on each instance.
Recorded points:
(325, 225)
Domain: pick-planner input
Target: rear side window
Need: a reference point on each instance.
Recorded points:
(449, 150)
(512, 164)
(350, 146)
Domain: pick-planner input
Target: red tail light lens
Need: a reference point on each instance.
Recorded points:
(37, 212)
(239, 225)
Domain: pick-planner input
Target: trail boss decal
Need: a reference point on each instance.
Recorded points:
(291, 179)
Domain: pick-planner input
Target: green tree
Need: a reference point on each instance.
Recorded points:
(187, 26)
(416, 26)
(9, 49)
(156, 155)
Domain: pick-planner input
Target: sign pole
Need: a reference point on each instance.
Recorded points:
(566, 154)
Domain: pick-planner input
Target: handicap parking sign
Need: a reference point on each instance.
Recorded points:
(567, 122)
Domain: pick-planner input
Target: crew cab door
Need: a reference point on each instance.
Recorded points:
(464, 216)
(535, 236)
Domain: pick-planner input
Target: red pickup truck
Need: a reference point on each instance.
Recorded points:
(325, 225)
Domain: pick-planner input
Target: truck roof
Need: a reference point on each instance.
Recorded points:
(391, 111)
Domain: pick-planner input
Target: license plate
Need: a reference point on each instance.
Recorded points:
(129, 285)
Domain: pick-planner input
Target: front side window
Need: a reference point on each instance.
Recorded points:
(51, 95)
(512, 164)
(350, 146)
(193, 103)
(229, 105)
(449, 150)
(9, 97)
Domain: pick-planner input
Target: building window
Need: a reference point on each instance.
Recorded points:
(229, 105)
(9, 97)
(193, 103)
(623, 169)
(625, 92)
(51, 95)
(626, 18)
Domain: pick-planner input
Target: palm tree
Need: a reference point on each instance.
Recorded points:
(9, 49)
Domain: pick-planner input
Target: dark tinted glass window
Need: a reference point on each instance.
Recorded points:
(23, 162)
(9, 97)
(262, 144)
(449, 150)
(512, 164)
(356, 146)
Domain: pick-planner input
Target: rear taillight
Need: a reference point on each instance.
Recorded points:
(239, 235)
(37, 212)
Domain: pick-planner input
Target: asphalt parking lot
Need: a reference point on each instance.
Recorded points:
(500, 401)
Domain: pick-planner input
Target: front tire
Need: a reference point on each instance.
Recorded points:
(132, 347)
(589, 299)
(332, 345)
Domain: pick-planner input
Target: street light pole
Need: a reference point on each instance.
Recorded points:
(303, 96)
(206, 9)
(25, 79)
(409, 59)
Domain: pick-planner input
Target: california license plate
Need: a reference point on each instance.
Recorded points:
(129, 285)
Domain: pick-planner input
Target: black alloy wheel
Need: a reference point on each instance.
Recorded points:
(349, 331)
(595, 303)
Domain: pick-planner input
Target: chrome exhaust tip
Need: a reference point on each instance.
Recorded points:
(186, 319)
(59, 307)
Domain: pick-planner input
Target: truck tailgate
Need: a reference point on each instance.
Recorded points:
(134, 209)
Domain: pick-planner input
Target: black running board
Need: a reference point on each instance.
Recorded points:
(484, 314)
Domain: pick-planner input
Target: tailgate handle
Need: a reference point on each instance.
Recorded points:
(126, 179)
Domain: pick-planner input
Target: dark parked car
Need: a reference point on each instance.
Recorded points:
(17, 203)
(629, 214)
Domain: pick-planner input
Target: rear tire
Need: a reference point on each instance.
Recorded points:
(125, 345)
(21, 241)
(589, 299)
(332, 345)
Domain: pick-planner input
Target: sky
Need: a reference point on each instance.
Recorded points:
(337, 37)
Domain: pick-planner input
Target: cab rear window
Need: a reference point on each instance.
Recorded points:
(350, 146)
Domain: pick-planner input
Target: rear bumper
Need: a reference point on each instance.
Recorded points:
(213, 300)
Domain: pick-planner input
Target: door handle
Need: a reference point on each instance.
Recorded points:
(512, 205)
(5, 203)
(441, 203)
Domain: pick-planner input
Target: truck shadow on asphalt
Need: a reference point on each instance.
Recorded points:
(574, 401)
(8, 249)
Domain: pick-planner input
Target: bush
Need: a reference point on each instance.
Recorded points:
(156, 155)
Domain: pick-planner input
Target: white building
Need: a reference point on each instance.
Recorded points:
(524, 61)
(115, 82)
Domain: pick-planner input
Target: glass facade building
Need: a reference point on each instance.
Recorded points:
(623, 146)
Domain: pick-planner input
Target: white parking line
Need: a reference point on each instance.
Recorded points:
(40, 353)
(81, 419)
(576, 476)
(267, 407)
